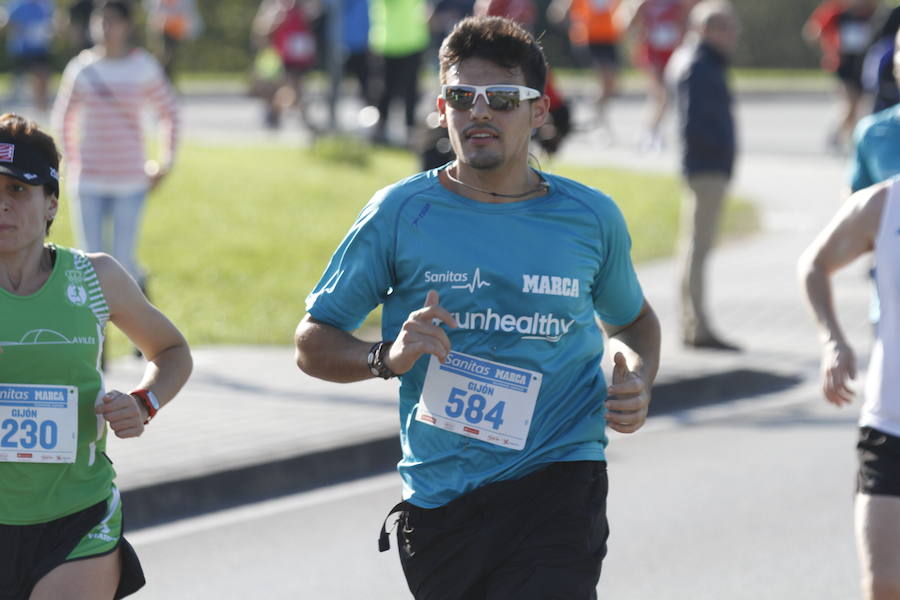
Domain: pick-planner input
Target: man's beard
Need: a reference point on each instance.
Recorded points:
(484, 161)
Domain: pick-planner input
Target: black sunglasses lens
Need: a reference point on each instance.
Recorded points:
(503, 99)
(460, 98)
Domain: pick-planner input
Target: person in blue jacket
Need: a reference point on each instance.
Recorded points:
(697, 71)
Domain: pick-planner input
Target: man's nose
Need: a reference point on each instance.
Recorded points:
(481, 110)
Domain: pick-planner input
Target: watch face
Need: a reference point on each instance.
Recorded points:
(153, 400)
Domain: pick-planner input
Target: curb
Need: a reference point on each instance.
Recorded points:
(168, 501)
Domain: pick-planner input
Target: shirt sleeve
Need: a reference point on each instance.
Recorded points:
(617, 293)
(65, 108)
(159, 94)
(859, 175)
(359, 276)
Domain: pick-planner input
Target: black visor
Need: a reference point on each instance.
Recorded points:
(23, 162)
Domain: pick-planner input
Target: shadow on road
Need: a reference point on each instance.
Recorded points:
(716, 388)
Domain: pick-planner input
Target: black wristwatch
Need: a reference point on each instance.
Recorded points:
(376, 360)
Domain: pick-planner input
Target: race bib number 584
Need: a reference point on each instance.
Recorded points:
(479, 398)
(38, 423)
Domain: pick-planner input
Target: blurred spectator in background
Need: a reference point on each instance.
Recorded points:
(594, 33)
(398, 38)
(102, 96)
(698, 74)
(79, 25)
(355, 21)
(29, 33)
(444, 15)
(844, 30)
(878, 68)
(525, 12)
(659, 26)
(282, 32)
(170, 23)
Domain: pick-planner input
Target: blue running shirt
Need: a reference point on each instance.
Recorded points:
(524, 281)
(877, 155)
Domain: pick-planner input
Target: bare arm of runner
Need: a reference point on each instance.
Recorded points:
(636, 361)
(850, 234)
(168, 357)
(329, 353)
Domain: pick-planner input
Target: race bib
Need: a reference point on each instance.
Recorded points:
(479, 398)
(38, 423)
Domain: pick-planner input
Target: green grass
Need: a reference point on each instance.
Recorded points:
(236, 237)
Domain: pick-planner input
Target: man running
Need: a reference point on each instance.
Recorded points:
(868, 222)
(491, 273)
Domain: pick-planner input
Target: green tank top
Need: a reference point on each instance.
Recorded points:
(52, 460)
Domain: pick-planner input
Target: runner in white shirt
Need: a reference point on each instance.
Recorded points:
(868, 222)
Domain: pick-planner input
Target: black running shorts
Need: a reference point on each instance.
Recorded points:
(879, 463)
(541, 537)
(29, 552)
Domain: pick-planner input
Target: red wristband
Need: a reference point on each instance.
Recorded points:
(148, 399)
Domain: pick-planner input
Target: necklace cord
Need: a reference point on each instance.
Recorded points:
(541, 186)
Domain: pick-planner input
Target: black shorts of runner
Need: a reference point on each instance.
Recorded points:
(604, 55)
(879, 463)
(850, 70)
(541, 537)
(25, 63)
(597, 55)
(29, 552)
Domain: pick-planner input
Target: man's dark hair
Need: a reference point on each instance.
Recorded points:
(20, 130)
(498, 40)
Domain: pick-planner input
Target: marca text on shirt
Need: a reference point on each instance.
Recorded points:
(550, 285)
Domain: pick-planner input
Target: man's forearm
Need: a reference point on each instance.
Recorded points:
(329, 353)
(639, 342)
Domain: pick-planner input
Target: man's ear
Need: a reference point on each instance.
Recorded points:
(442, 112)
(540, 109)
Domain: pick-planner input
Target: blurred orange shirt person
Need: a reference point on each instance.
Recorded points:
(823, 26)
(593, 22)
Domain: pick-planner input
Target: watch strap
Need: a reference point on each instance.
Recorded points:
(375, 360)
(149, 400)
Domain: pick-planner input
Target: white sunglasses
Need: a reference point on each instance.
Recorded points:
(498, 97)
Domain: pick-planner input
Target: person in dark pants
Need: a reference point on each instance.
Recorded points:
(491, 274)
(398, 37)
(698, 74)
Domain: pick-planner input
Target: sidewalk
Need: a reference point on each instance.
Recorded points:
(249, 424)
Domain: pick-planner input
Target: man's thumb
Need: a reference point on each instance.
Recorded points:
(432, 299)
(620, 368)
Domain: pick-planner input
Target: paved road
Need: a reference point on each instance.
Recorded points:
(750, 502)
